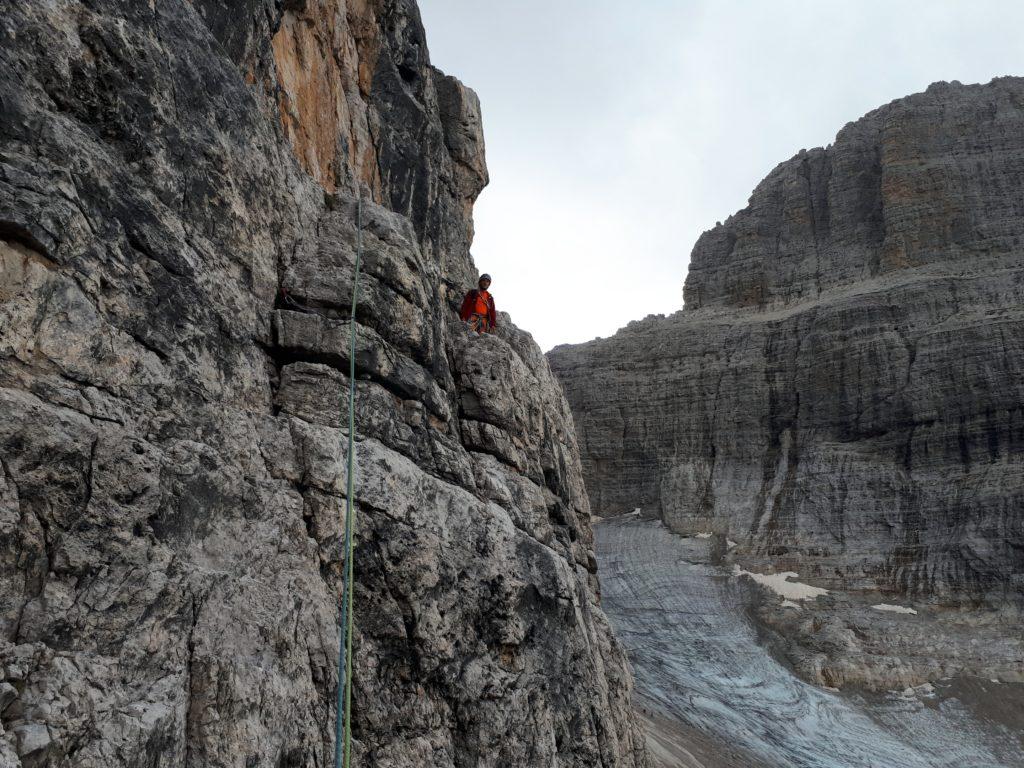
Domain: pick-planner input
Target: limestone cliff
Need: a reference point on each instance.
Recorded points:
(177, 232)
(842, 394)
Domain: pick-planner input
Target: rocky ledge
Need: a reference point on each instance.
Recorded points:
(178, 194)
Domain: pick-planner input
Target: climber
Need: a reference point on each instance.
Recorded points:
(478, 307)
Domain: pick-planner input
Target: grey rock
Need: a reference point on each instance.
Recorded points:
(842, 393)
(178, 195)
(8, 693)
(31, 739)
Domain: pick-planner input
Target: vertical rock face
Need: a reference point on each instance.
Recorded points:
(178, 186)
(843, 391)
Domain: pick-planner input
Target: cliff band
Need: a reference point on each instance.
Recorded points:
(843, 393)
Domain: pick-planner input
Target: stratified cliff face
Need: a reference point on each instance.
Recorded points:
(844, 390)
(177, 232)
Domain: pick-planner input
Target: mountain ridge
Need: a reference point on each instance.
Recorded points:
(914, 201)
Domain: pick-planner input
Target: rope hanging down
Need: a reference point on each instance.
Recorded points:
(343, 728)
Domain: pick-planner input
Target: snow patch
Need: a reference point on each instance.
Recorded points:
(894, 608)
(780, 584)
(703, 535)
(730, 543)
(790, 604)
(923, 691)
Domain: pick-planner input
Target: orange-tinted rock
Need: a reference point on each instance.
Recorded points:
(322, 81)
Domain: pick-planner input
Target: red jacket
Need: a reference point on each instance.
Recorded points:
(469, 306)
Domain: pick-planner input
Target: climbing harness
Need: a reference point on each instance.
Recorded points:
(343, 728)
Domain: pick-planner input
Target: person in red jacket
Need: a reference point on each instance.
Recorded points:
(478, 307)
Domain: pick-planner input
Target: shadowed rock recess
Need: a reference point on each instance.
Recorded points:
(843, 393)
(177, 236)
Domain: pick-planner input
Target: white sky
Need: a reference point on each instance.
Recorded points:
(618, 132)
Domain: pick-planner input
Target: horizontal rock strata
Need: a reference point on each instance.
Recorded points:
(842, 394)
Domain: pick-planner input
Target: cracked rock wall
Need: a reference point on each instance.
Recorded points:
(842, 394)
(177, 208)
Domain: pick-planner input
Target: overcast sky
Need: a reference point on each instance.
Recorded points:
(618, 132)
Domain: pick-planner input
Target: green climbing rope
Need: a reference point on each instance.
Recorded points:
(343, 727)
